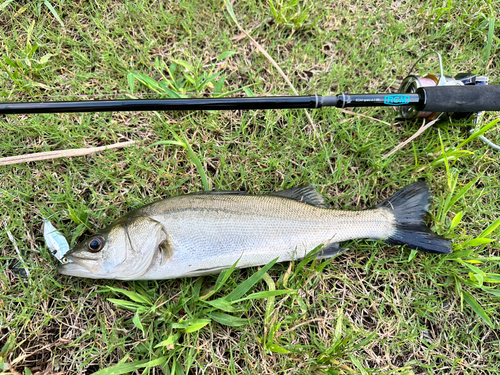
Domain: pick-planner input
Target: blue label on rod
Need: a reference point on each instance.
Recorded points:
(396, 99)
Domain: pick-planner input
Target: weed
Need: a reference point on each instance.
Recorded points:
(373, 309)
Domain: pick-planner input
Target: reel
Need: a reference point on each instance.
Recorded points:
(412, 83)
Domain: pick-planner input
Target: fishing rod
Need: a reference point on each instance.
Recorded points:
(456, 99)
(418, 97)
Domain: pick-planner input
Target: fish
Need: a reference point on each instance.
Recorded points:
(204, 233)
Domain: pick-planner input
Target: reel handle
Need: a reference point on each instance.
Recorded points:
(460, 98)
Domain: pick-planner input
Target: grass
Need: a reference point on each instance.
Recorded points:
(376, 309)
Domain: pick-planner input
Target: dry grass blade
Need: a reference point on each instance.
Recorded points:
(61, 153)
(362, 115)
(423, 128)
(268, 56)
(299, 325)
(11, 237)
(280, 71)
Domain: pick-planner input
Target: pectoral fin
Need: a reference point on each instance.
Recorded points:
(166, 251)
(148, 236)
(206, 271)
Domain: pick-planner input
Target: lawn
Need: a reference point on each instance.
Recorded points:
(375, 309)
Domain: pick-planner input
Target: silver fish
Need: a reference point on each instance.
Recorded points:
(204, 233)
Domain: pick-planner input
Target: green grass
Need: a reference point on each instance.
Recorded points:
(376, 309)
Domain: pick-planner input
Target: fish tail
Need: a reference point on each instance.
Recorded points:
(410, 206)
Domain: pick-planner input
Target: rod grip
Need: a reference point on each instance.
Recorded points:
(460, 98)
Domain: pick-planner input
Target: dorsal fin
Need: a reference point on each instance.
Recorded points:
(305, 193)
(219, 192)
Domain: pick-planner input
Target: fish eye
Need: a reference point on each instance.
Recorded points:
(95, 244)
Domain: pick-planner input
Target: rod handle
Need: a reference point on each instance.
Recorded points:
(460, 98)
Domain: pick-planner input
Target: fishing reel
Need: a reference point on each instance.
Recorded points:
(412, 83)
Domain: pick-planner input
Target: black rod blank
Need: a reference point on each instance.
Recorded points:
(434, 99)
(197, 104)
(161, 105)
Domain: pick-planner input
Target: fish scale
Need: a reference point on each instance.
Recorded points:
(199, 234)
(208, 233)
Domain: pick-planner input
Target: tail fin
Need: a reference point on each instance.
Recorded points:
(409, 206)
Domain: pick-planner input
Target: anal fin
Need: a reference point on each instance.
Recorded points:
(330, 250)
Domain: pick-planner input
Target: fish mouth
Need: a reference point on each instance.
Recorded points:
(77, 267)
